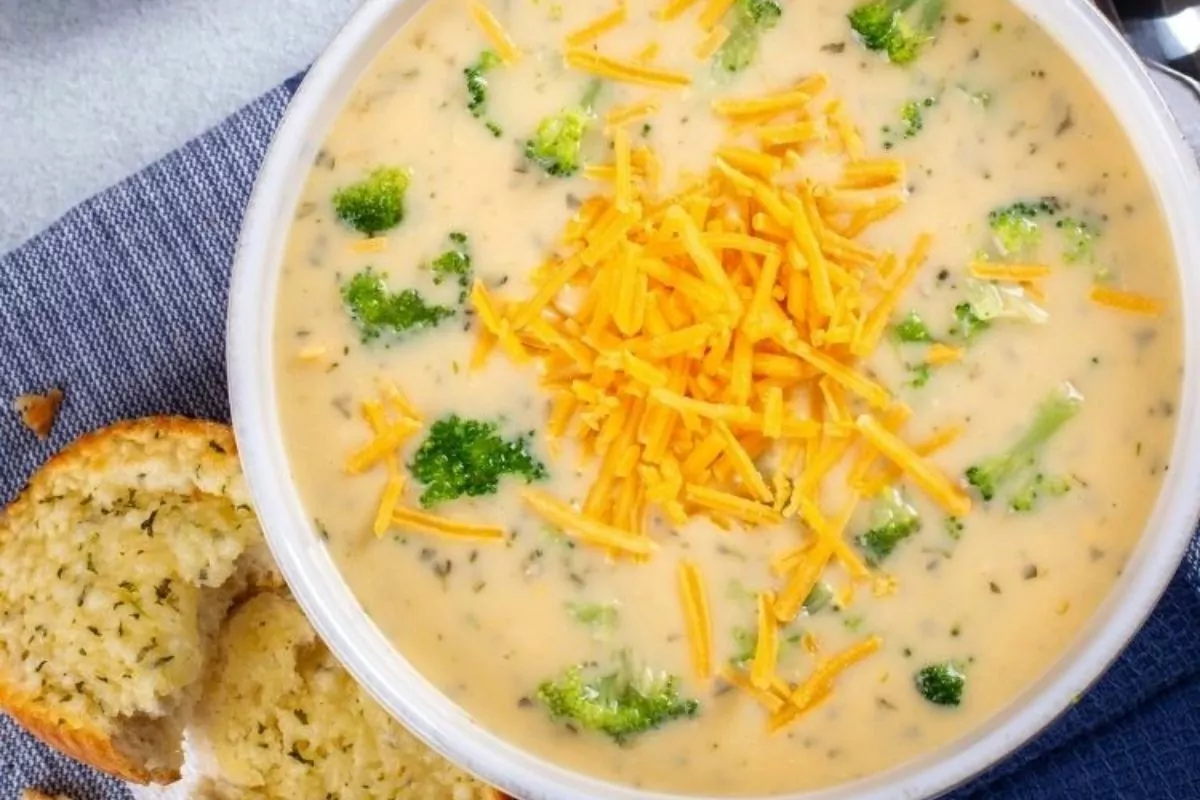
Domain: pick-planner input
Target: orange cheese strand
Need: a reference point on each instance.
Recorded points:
(1126, 301)
(598, 27)
(1013, 273)
(441, 526)
(625, 71)
(694, 599)
(496, 35)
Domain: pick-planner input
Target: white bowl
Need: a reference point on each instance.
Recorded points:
(384, 672)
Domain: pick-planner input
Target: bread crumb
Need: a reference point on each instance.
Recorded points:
(38, 411)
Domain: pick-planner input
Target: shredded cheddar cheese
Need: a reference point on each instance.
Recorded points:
(766, 649)
(598, 27)
(712, 13)
(940, 488)
(625, 71)
(496, 35)
(623, 115)
(1014, 273)
(674, 8)
(441, 526)
(694, 600)
(387, 504)
(1126, 301)
(702, 346)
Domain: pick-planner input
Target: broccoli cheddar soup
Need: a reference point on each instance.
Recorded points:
(728, 397)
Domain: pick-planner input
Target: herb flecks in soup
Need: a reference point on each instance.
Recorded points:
(781, 391)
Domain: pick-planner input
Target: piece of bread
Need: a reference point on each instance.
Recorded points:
(38, 411)
(280, 719)
(117, 565)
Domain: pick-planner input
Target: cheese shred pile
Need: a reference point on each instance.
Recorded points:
(705, 350)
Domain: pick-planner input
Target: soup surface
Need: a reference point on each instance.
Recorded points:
(906, 605)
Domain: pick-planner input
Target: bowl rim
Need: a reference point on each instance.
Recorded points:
(1090, 40)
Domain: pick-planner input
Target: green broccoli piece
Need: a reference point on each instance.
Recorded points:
(621, 704)
(454, 262)
(892, 521)
(968, 324)
(751, 18)
(1079, 240)
(1055, 411)
(377, 311)
(466, 457)
(912, 330)
(477, 84)
(477, 88)
(374, 204)
(941, 684)
(1028, 497)
(1016, 229)
(557, 145)
(899, 28)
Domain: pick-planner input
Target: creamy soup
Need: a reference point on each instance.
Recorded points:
(826, 396)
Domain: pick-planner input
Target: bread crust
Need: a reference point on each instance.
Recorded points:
(81, 739)
(94, 449)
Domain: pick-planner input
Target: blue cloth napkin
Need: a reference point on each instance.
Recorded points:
(122, 303)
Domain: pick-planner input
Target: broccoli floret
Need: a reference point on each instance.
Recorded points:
(874, 22)
(968, 324)
(763, 13)
(466, 457)
(892, 521)
(1016, 228)
(751, 18)
(912, 330)
(941, 684)
(377, 311)
(477, 88)
(557, 145)
(374, 204)
(1026, 498)
(898, 28)
(912, 122)
(1079, 240)
(454, 262)
(621, 704)
(1055, 411)
(912, 115)
(477, 85)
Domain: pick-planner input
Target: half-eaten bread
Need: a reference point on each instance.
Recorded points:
(280, 719)
(117, 565)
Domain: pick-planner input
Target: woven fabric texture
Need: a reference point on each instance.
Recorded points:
(122, 303)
